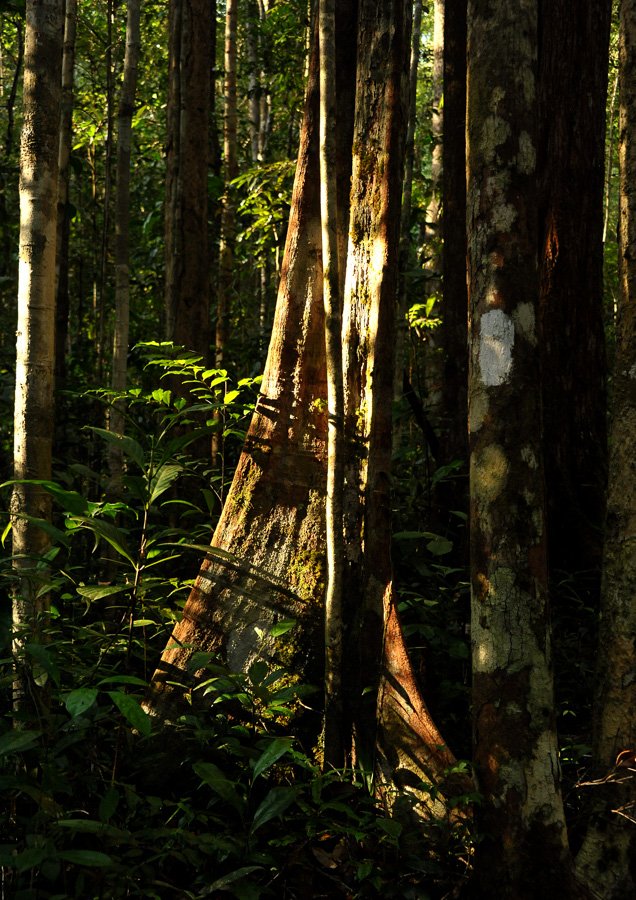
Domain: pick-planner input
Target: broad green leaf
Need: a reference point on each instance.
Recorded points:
(439, 547)
(85, 857)
(275, 803)
(257, 671)
(91, 826)
(97, 591)
(53, 532)
(162, 481)
(215, 779)
(78, 701)
(108, 532)
(123, 679)
(282, 627)
(391, 826)
(29, 858)
(222, 882)
(44, 658)
(16, 741)
(108, 803)
(132, 711)
(70, 501)
(277, 748)
(130, 446)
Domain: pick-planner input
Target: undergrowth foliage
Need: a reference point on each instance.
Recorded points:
(87, 811)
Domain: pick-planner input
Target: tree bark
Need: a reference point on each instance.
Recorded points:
(33, 419)
(226, 252)
(333, 735)
(187, 277)
(516, 756)
(63, 224)
(122, 237)
(606, 859)
(572, 90)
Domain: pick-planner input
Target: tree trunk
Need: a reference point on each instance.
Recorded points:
(226, 252)
(516, 756)
(187, 277)
(273, 518)
(333, 737)
(573, 64)
(122, 237)
(63, 223)
(33, 419)
(606, 859)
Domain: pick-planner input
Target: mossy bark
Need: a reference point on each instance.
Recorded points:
(606, 861)
(273, 522)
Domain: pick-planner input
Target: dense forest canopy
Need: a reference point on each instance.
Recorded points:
(317, 429)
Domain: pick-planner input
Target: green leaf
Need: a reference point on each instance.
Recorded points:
(439, 547)
(29, 858)
(275, 803)
(6, 532)
(91, 826)
(162, 481)
(44, 658)
(277, 748)
(391, 826)
(132, 711)
(108, 803)
(78, 701)
(130, 447)
(123, 679)
(220, 883)
(282, 627)
(108, 532)
(215, 779)
(257, 671)
(16, 741)
(97, 591)
(85, 857)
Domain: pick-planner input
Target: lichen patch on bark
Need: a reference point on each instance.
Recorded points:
(496, 340)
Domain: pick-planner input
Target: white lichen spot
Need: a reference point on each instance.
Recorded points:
(524, 319)
(495, 132)
(477, 410)
(489, 472)
(543, 796)
(528, 457)
(503, 217)
(632, 371)
(496, 340)
(527, 155)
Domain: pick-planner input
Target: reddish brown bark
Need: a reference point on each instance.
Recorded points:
(572, 86)
(187, 276)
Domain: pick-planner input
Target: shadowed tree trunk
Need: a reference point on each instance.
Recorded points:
(524, 853)
(573, 64)
(606, 859)
(187, 277)
(63, 221)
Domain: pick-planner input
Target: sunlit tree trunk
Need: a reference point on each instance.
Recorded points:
(187, 276)
(572, 90)
(122, 234)
(333, 742)
(33, 419)
(63, 221)
(606, 859)
(226, 253)
(525, 853)
(7, 150)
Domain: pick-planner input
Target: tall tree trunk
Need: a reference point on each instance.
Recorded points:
(454, 434)
(5, 260)
(100, 328)
(187, 276)
(63, 222)
(122, 235)
(254, 78)
(226, 253)
(333, 741)
(516, 753)
(574, 43)
(434, 362)
(606, 859)
(33, 419)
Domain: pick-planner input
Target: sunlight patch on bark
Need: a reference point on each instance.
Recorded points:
(496, 340)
